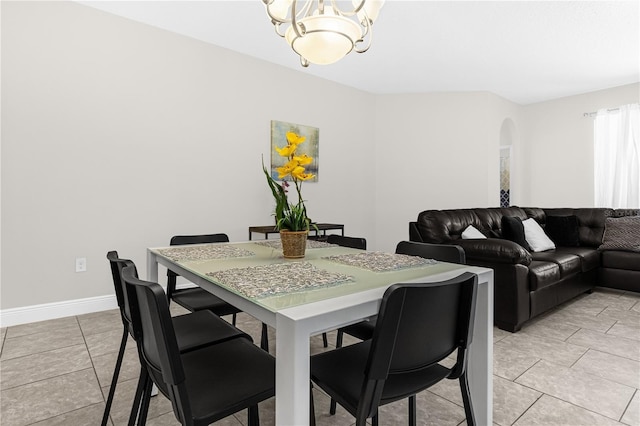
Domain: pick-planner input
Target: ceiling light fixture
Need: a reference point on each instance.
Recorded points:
(324, 33)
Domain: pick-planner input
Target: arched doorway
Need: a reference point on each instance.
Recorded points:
(507, 137)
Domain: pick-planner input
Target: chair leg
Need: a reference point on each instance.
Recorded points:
(312, 408)
(114, 380)
(412, 410)
(466, 399)
(135, 408)
(253, 416)
(339, 339)
(146, 400)
(374, 419)
(233, 319)
(264, 340)
(332, 407)
(324, 340)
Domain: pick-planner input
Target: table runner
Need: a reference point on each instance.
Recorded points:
(204, 252)
(270, 280)
(277, 244)
(379, 261)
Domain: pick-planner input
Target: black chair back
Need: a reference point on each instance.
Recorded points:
(441, 252)
(154, 331)
(118, 284)
(179, 240)
(352, 242)
(418, 325)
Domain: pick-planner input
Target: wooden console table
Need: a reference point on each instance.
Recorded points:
(321, 227)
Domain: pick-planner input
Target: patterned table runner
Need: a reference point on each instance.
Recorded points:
(204, 252)
(380, 262)
(311, 244)
(270, 280)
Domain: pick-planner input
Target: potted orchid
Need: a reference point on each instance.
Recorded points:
(291, 219)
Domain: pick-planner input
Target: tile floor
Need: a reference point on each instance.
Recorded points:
(576, 365)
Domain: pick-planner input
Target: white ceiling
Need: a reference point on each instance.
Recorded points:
(524, 51)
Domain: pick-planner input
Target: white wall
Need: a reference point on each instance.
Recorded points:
(117, 135)
(435, 151)
(559, 147)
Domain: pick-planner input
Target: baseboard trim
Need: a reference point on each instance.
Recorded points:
(48, 311)
(67, 308)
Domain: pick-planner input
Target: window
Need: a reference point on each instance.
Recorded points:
(617, 157)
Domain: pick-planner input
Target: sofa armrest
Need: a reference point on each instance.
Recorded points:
(495, 250)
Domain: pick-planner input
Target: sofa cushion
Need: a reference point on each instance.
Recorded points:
(490, 219)
(471, 233)
(621, 260)
(445, 226)
(590, 222)
(535, 236)
(563, 230)
(543, 274)
(621, 233)
(589, 257)
(513, 230)
(569, 264)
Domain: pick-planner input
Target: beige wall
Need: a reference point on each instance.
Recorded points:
(435, 151)
(559, 147)
(116, 135)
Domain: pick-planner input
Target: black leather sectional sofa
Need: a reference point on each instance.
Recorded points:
(527, 283)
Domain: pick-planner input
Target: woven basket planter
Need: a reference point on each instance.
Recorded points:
(294, 243)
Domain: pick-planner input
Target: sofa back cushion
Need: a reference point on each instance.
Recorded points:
(564, 231)
(445, 226)
(590, 223)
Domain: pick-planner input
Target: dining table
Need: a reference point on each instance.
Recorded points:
(332, 286)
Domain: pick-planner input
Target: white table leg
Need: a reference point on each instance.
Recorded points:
(481, 353)
(292, 373)
(152, 267)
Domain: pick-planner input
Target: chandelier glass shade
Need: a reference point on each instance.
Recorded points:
(319, 31)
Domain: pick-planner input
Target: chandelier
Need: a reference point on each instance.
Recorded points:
(320, 31)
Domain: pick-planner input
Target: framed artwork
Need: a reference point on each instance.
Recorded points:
(310, 147)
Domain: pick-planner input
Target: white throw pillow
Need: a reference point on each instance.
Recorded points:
(471, 233)
(535, 236)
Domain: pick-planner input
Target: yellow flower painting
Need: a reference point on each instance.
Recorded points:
(294, 152)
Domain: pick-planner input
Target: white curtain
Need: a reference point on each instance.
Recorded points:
(617, 157)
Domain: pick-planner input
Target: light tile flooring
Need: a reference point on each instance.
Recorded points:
(576, 365)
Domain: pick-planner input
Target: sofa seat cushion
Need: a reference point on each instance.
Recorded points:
(589, 257)
(616, 259)
(543, 274)
(568, 263)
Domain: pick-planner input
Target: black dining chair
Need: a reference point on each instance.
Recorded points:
(203, 385)
(353, 242)
(363, 330)
(443, 252)
(419, 325)
(192, 330)
(344, 241)
(197, 299)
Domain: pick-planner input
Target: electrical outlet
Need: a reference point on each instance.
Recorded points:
(81, 264)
